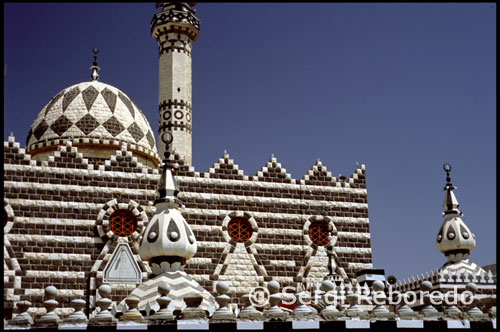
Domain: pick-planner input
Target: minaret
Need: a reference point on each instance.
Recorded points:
(175, 28)
(454, 240)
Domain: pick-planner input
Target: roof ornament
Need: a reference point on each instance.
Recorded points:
(454, 240)
(95, 68)
(168, 240)
(450, 203)
(168, 188)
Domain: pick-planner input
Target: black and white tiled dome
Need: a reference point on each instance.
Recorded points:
(92, 112)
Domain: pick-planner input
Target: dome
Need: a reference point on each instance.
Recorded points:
(92, 115)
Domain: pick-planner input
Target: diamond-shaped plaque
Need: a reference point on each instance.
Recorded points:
(113, 126)
(61, 125)
(110, 99)
(127, 103)
(87, 124)
(136, 132)
(40, 129)
(69, 96)
(89, 95)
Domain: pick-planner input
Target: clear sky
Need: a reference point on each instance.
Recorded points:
(401, 88)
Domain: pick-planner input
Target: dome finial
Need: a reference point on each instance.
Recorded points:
(95, 68)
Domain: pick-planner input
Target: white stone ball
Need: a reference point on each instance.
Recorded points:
(174, 235)
(426, 286)
(104, 290)
(50, 291)
(326, 286)
(163, 288)
(378, 285)
(221, 287)
(273, 286)
(472, 287)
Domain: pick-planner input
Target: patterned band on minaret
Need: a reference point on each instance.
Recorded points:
(175, 28)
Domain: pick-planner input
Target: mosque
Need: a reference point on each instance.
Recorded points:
(94, 200)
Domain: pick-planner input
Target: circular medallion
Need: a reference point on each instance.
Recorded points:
(240, 230)
(167, 137)
(178, 115)
(123, 222)
(188, 117)
(167, 115)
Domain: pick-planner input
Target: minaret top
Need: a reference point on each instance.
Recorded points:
(184, 6)
(175, 14)
(454, 239)
(95, 68)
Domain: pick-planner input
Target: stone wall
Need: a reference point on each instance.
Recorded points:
(56, 230)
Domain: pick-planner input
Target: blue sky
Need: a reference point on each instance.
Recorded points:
(401, 88)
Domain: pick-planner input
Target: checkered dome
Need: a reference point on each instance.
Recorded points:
(92, 112)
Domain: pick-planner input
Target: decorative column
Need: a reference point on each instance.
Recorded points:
(50, 319)
(23, 318)
(274, 312)
(175, 28)
(224, 313)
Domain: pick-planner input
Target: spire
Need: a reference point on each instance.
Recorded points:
(454, 239)
(450, 203)
(168, 188)
(95, 68)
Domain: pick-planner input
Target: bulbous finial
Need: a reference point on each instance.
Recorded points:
(454, 238)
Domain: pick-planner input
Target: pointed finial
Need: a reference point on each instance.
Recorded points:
(450, 201)
(272, 155)
(225, 151)
(168, 188)
(95, 68)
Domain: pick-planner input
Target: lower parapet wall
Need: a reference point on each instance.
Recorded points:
(364, 310)
(292, 325)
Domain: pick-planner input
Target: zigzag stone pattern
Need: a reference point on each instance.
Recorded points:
(56, 205)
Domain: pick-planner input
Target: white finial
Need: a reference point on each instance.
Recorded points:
(454, 239)
(225, 151)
